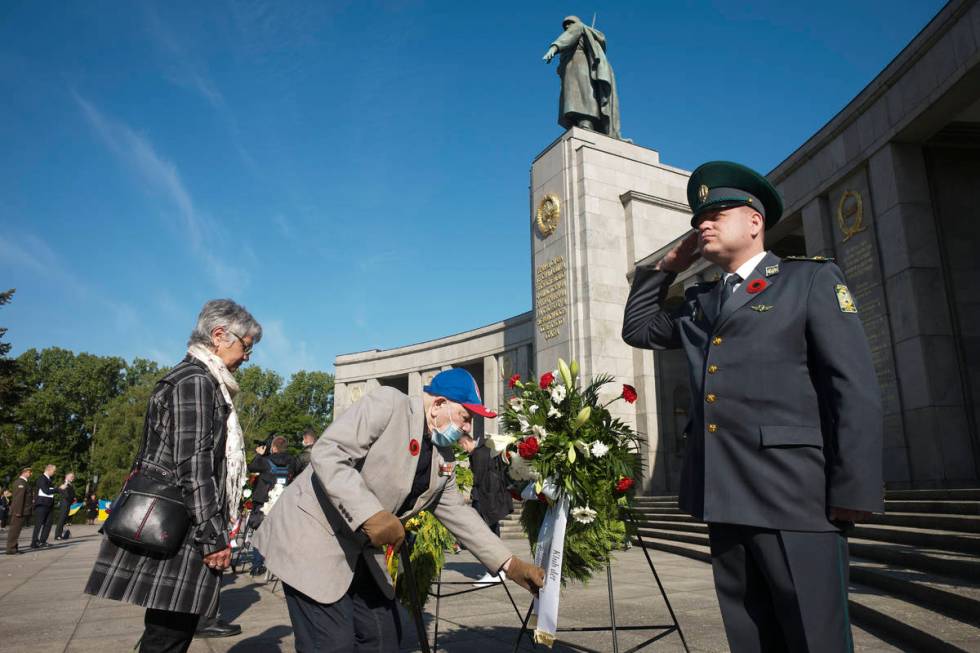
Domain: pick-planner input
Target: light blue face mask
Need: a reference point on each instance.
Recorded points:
(448, 436)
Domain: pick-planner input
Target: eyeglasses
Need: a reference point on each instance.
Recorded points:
(246, 349)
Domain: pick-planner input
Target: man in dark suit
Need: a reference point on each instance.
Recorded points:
(784, 442)
(20, 508)
(43, 504)
(67, 498)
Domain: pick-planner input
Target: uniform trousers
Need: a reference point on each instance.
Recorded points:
(362, 620)
(42, 524)
(781, 590)
(59, 529)
(13, 532)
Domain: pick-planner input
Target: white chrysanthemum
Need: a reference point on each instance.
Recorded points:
(558, 393)
(553, 412)
(584, 515)
(539, 431)
(517, 403)
(599, 449)
(532, 409)
(247, 492)
(521, 470)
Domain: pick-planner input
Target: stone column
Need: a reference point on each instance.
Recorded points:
(936, 428)
(491, 390)
(341, 399)
(415, 388)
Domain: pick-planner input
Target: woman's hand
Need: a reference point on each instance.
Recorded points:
(219, 560)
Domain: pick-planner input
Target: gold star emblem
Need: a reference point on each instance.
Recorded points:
(703, 194)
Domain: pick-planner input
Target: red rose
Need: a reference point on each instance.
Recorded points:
(513, 380)
(248, 505)
(527, 449)
(756, 285)
(546, 379)
(624, 485)
(629, 393)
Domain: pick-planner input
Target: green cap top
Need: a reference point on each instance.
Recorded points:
(724, 184)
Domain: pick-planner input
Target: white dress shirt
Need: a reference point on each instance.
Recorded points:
(745, 269)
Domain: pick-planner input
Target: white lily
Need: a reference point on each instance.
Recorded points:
(498, 442)
(521, 470)
(533, 409)
(524, 424)
(553, 412)
(539, 431)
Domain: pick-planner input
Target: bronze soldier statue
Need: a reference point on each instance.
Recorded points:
(588, 86)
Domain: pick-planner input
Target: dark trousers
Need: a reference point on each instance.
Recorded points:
(781, 590)
(167, 632)
(362, 620)
(13, 532)
(59, 529)
(42, 524)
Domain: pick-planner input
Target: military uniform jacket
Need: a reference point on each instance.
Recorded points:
(366, 461)
(786, 419)
(21, 504)
(185, 437)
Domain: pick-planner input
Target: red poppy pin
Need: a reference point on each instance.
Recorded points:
(413, 447)
(756, 285)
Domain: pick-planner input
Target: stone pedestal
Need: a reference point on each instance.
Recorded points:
(615, 202)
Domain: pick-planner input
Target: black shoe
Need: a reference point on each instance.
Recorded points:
(217, 628)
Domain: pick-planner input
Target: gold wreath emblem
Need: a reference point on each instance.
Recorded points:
(850, 214)
(702, 194)
(549, 213)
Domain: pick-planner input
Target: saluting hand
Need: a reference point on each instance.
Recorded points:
(682, 256)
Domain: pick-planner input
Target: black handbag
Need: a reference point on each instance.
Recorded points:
(149, 514)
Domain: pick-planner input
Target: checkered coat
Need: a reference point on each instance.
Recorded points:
(185, 436)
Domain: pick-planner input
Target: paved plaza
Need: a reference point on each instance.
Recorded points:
(43, 609)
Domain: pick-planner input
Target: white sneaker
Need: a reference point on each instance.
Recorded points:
(489, 579)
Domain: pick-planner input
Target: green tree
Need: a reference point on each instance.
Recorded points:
(66, 392)
(305, 403)
(258, 390)
(11, 388)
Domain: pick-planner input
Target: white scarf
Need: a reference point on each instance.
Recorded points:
(234, 439)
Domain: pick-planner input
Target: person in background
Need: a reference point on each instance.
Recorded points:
(309, 439)
(20, 508)
(67, 498)
(490, 495)
(275, 466)
(5, 507)
(43, 505)
(91, 509)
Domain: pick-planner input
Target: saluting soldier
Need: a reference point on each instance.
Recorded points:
(785, 438)
(20, 509)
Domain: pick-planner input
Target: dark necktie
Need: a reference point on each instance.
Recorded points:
(728, 290)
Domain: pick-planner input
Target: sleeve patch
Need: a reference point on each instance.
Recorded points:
(844, 299)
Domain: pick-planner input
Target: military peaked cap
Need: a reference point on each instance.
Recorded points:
(724, 184)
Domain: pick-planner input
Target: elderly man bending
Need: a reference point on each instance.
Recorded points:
(383, 461)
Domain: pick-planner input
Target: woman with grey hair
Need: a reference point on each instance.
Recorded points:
(192, 435)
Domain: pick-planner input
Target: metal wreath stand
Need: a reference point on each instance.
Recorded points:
(413, 593)
(665, 629)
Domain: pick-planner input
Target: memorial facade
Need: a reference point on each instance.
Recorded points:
(889, 188)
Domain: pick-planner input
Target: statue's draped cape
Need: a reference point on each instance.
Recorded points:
(588, 85)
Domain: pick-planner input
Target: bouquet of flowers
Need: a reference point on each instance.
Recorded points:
(563, 444)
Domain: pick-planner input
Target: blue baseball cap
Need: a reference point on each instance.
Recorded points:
(458, 385)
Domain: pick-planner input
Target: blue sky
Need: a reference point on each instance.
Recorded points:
(355, 173)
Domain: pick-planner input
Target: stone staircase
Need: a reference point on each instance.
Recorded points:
(915, 570)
